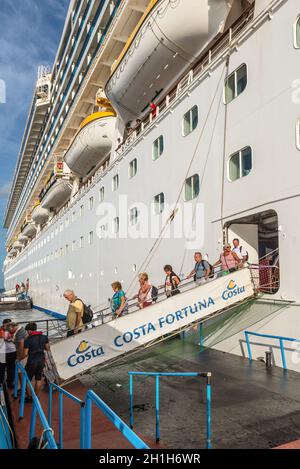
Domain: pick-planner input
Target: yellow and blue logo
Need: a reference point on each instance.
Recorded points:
(232, 290)
(84, 352)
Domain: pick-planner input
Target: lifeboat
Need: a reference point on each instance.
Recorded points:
(92, 143)
(57, 194)
(166, 42)
(39, 214)
(29, 230)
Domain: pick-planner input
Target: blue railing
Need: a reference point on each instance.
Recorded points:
(157, 376)
(36, 409)
(129, 434)
(62, 392)
(281, 339)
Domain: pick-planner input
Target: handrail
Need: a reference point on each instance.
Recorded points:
(62, 392)
(36, 408)
(129, 434)
(157, 375)
(269, 336)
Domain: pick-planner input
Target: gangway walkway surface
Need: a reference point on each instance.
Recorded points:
(252, 406)
(103, 343)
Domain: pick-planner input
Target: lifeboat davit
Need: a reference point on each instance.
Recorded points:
(57, 195)
(29, 230)
(92, 143)
(39, 214)
(17, 245)
(22, 238)
(167, 41)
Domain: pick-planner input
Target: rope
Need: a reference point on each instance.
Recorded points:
(157, 242)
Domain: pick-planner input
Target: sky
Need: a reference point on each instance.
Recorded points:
(30, 32)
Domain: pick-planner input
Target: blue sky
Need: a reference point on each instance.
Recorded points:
(30, 31)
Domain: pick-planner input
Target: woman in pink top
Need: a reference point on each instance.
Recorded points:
(228, 260)
(144, 295)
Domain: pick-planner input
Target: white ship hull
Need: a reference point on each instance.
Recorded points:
(263, 117)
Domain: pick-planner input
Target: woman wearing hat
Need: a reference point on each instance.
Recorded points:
(229, 260)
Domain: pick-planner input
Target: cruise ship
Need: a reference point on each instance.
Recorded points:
(164, 127)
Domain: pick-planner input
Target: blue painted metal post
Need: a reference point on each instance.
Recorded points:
(248, 346)
(208, 411)
(88, 423)
(16, 383)
(50, 404)
(32, 422)
(131, 399)
(82, 425)
(23, 390)
(157, 408)
(61, 417)
(201, 338)
(282, 354)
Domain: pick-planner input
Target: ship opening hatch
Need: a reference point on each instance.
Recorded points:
(258, 234)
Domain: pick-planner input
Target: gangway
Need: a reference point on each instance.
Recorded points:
(106, 341)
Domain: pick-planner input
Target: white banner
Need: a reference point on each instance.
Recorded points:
(102, 343)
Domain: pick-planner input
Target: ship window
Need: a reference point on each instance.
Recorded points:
(192, 187)
(74, 246)
(91, 203)
(91, 237)
(73, 216)
(67, 249)
(158, 147)
(133, 216)
(101, 194)
(297, 33)
(190, 121)
(235, 83)
(159, 203)
(81, 210)
(116, 225)
(132, 170)
(102, 231)
(81, 241)
(298, 134)
(115, 182)
(240, 164)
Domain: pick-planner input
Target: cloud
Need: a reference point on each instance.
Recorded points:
(5, 190)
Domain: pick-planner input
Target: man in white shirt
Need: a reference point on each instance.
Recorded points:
(240, 250)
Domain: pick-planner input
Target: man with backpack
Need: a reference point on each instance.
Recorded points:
(240, 250)
(202, 270)
(79, 314)
(34, 348)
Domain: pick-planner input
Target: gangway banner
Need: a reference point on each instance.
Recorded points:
(97, 345)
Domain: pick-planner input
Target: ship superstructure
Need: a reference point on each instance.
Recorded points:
(175, 111)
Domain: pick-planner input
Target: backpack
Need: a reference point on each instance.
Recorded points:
(212, 270)
(154, 293)
(247, 255)
(88, 313)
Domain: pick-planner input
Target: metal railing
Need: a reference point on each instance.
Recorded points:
(63, 393)
(281, 340)
(52, 328)
(157, 376)
(47, 433)
(123, 428)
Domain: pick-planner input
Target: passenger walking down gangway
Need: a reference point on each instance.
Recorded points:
(98, 345)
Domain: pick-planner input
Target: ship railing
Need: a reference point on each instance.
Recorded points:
(61, 394)
(86, 417)
(47, 440)
(157, 376)
(281, 340)
(52, 328)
